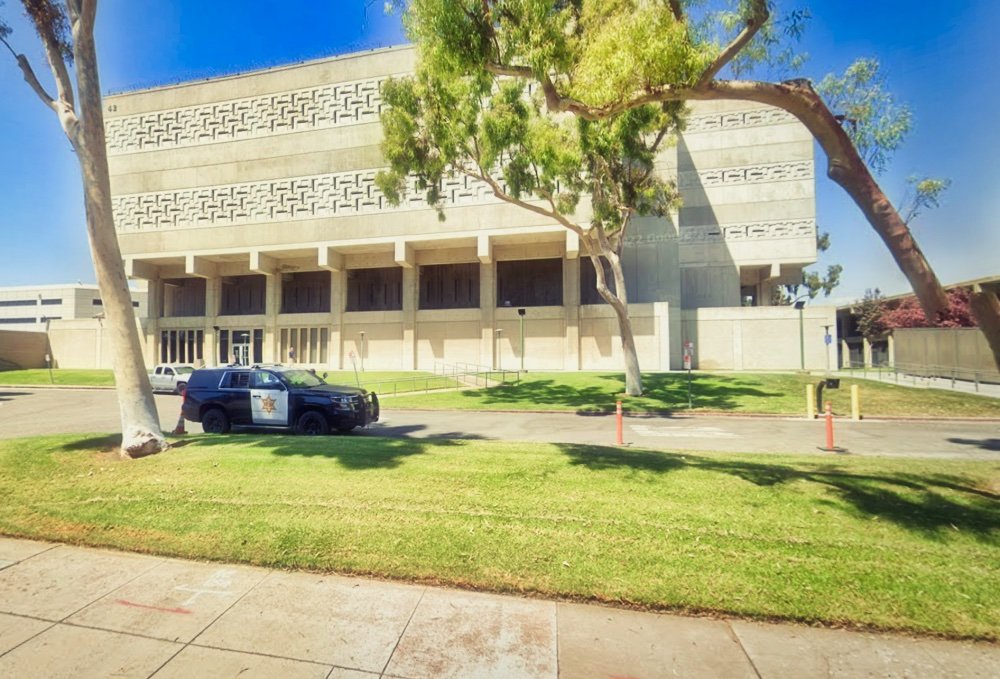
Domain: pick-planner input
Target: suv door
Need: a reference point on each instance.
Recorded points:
(234, 393)
(268, 399)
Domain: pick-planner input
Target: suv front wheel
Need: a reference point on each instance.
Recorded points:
(312, 424)
(215, 421)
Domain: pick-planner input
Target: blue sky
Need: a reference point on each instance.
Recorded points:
(940, 59)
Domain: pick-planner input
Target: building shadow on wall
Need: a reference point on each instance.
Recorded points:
(935, 505)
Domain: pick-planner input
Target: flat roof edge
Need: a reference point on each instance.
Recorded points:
(269, 69)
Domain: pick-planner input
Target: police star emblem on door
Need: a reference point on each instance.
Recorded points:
(268, 404)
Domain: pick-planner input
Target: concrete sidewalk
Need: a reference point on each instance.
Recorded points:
(74, 612)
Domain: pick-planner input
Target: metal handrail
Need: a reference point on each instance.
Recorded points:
(914, 372)
(444, 377)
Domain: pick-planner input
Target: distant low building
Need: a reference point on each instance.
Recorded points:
(30, 307)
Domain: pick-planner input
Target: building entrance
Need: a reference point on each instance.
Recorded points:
(242, 347)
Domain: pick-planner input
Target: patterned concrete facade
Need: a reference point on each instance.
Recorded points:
(249, 186)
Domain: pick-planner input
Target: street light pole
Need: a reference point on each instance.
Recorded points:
(362, 333)
(499, 364)
(799, 304)
(520, 313)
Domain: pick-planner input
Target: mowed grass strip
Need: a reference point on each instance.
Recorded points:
(886, 543)
(383, 382)
(739, 393)
(60, 377)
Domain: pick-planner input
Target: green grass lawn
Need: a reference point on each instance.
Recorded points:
(884, 543)
(71, 378)
(771, 393)
(384, 382)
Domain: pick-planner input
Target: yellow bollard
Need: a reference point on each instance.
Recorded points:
(810, 401)
(855, 402)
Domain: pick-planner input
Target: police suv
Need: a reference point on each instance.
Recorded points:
(274, 396)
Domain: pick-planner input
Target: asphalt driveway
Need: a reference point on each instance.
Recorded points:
(29, 412)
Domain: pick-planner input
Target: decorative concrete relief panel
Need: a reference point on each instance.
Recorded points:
(338, 104)
(800, 228)
(281, 200)
(751, 174)
(731, 120)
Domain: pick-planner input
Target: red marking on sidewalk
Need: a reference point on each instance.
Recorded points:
(182, 611)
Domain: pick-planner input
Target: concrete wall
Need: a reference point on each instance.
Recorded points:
(22, 348)
(944, 351)
(83, 343)
(760, 338)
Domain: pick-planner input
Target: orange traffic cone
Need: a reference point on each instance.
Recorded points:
(179, 429)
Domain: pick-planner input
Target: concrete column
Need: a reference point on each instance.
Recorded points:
(335, 353)
(272, 305)
(572, 359)
(892, 350)
(213, 302)
(154, 308)
(664, 334)
(867, 352)
(487, 308)
(845, 354)
(409, 357)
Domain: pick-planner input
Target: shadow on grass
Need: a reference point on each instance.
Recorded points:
(355, 451)
(663, 393)
(932, 504)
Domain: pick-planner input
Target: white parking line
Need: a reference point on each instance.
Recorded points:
(686, 432)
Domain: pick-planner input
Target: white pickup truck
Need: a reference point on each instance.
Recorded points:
(167, 377)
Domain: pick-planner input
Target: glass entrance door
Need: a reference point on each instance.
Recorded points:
(241, 347)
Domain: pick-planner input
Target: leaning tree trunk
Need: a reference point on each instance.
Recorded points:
(619, 303)
(141, 433)
(985, 307)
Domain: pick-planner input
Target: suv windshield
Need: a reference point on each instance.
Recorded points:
(183, 370)
(301, 378)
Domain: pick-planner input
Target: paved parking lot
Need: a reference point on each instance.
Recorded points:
(51, 411)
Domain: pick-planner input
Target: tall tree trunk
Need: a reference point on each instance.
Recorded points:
(619, 303)
(985, 307)
(141, 433)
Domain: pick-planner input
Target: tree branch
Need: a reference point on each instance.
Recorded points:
(758, 17)
(54, 55)
(504, 196)
(32, 80)
(676, 9)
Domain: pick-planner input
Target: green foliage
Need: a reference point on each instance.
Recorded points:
(628, 46)
(874, 121)
(453, 117)
(869, 312)
(812, 282)
(923, 193)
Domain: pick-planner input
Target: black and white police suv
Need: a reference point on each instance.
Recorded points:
(274, 396)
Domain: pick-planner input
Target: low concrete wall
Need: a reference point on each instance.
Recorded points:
(22, 348)
(760, 338)
(943, 352)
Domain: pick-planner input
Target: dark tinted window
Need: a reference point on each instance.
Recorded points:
(375, 289)
(237, 380)
(449, 286)
(303, 293)
(532, 282)
(243, 295)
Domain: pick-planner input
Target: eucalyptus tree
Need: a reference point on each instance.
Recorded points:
(66, 31)
(489, 127)
(596, 59)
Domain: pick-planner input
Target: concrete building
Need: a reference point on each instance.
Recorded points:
(63, 322)
(248, 204)
(32, 307)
